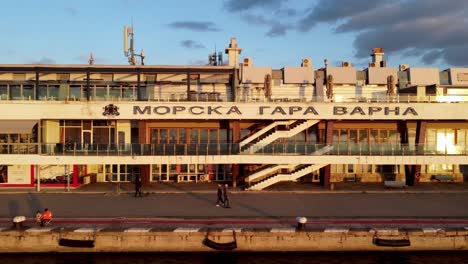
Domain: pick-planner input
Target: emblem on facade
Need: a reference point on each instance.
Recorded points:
(111, 110)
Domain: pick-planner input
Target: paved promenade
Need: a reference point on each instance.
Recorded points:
(194, 204)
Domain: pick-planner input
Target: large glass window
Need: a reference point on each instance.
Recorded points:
(194, 136)
(15, 92)
(182, 136)
(4, 92)
(203, 135)
(28, 92)
(100, 92)
(53, 92)
(115, 92)
(129, 92)
(75, 92)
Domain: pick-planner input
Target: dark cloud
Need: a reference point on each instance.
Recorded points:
(336, 10)
(71, 11)
(250, 9)
(432, 56)
(430, 29)
(276, 28)
(244, 5)
(191, 44)
(286, 12)
(43, 60)
(194, 26)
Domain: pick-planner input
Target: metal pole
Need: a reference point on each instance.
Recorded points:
(68, 177)
(38, 185)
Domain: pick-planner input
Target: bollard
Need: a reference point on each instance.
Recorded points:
(18, 221)
(301, 222)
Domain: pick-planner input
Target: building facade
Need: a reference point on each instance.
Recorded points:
(240, 123)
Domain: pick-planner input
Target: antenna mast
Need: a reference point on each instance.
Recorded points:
(130, 52)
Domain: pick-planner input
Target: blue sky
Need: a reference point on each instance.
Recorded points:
(273, 32)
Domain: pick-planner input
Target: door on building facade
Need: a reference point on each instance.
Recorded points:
(121, 172)
(388, 172)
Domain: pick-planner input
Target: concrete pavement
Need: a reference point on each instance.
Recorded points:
(244, 205)
(282, 187)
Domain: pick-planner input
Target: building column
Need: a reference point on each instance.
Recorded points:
(145, 174)
(75, 176)
(234, 82)
(138, 84)
(38, 176)
(235, 141)
(88, 76)
(144, 169)
(188, 85)
(325, 172)
(420, 140)
(403, 130)
(36, 87)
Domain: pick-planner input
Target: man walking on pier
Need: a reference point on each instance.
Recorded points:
(220, 196)
(225, 197)
(138, 185)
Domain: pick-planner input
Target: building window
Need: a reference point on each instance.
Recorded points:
(4, 95)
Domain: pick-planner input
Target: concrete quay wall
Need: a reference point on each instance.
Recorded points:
(141, 240)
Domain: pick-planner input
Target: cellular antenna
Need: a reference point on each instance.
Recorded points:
(130, 51)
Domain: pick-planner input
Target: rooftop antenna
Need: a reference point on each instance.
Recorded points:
(130, 52)
(91, 59)
(216, 58)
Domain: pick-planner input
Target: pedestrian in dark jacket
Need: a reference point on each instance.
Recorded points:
(220, 196)
(138, 185)
(225, 197)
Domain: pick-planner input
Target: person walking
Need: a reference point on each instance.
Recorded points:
(220, 196)
(46, 217)
(225, 197)
(138, 185)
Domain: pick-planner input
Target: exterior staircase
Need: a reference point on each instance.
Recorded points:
(264, 141)
(263, 131)
(299, 172)
(268, 171)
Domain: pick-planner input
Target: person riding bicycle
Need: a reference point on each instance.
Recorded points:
(46, 217)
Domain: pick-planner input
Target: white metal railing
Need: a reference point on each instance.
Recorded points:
(260, 99)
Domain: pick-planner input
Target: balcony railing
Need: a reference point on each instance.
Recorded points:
(230, 149)
(208, 97)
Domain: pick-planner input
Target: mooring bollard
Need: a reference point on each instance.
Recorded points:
(18, 221)
(301, 222)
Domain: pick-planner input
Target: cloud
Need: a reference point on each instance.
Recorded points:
(244, 5)
(253, 12)
(432, 56)
(71, 10)
(43, 60)
(429, 29)
(276, 28)
(194, 26)
(191, 44)
(336, 10)
(286, 12)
